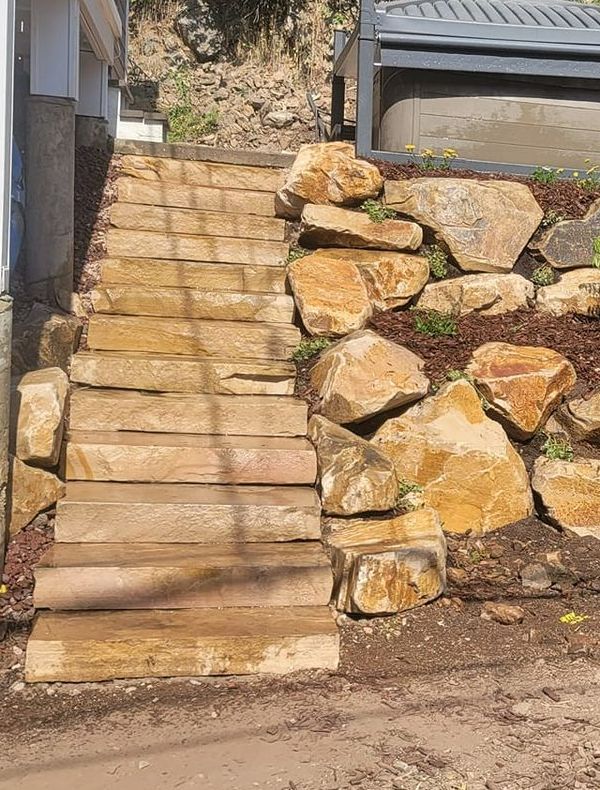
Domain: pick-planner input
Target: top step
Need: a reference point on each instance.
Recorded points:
(195, 173)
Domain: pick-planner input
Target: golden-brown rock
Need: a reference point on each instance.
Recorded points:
(522, 384)
(328, 226)
(577, 291)
(363, 375)
(45, 338)
(327, 173)
(32, 490)
(388, 566)
(330, 294)
(470, 472)
(38, 410)
(582, 417)
(355, 476)
(570, 493)
(486, 224)
(392, 278)
(488, 294)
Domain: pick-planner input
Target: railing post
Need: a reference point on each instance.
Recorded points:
(365, 87)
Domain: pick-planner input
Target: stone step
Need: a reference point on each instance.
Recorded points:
(193, 338)
(132, 216)
(180, 513)
(189, 303)
(96, 646)
(154, 272)
(226, 201)
(238, 415)
(198, 173)
(185, 458)
(164, 373)
(209, 249)
(182, 576)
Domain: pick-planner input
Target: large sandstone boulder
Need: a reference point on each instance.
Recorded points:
(577, 291)
(488, 294)
(569, 244)
(485, 224)
(355, 476)
(330, 174)
(388, 566)
(328, 226)
(392, 278)
(582, 418)
(522, 384)
(470, 472)
(363, 375)
(31, 491)
(44, 339)
(330, 293)
(38, 410)
(570, 493)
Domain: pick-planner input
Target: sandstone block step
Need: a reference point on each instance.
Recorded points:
(182, 576)
(95, 646)
(185, 458)
(192, 337)
(164, 373)
(197, 173)
(177, 246)
(132, 216)
(227, 201)
(240, 415)
(189, 303)
(180, 513)
(154, 272)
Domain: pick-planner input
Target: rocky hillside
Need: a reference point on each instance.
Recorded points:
(236, 74)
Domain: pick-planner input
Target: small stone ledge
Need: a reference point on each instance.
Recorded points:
(204, 153)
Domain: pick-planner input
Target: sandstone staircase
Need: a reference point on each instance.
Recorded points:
(188, 541)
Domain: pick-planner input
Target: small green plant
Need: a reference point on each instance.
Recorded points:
(551, 217)
(596, 253)
(308, 347)
(185, 124)
(543, 275)
(435, 324)
(376, 211)
(296, 253)
(557, 448)
(438, 261)
(459, 375)
(545, 175)
(406, 488)
(590, 180)
(476, 556)
(429, 160)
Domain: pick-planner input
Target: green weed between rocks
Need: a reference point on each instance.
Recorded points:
(596, 253)
(462, 375)
(185, 124)
(308, 347)
(438, 261)
(543, 275)
(551, 217)
(558, 449)
(405, 489)
(296, 253)
(434, 323)
(376, 211)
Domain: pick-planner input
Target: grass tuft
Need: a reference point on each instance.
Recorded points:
(376, 211)
(309, 347)
(543, 275)
(435, 324)
(557, 448)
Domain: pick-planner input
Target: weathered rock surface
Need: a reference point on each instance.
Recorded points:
(355, 476)
(32, 490)
(488, 294)
(486, 224)
(388, 566)
(330, 174)
(392, 278)
(569, 244)
(534, 576)
(39, 400)
(503, 613)
(363, 375)
(44, 339)
(329, 226)
(470, 472)
(577, 291)
(570, 493)
(522, 384)
(582, 418)
(330, 293)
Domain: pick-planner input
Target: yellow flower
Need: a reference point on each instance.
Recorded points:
(427, 152)
(410, 147)
(576, 174)
(450, 153)
(560, 170)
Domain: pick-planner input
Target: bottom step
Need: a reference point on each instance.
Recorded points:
(93, 646)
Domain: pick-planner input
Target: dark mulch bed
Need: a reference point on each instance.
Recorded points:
(565, 197)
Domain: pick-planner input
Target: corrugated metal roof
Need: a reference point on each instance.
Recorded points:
(555, 14)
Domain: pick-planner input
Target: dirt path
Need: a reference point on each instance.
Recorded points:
(529, 726)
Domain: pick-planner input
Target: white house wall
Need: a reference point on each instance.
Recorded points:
(7, 33)
(55, 48)
(102, 25)
(93, 86)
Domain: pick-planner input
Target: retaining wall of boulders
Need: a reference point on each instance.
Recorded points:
(402, 459)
